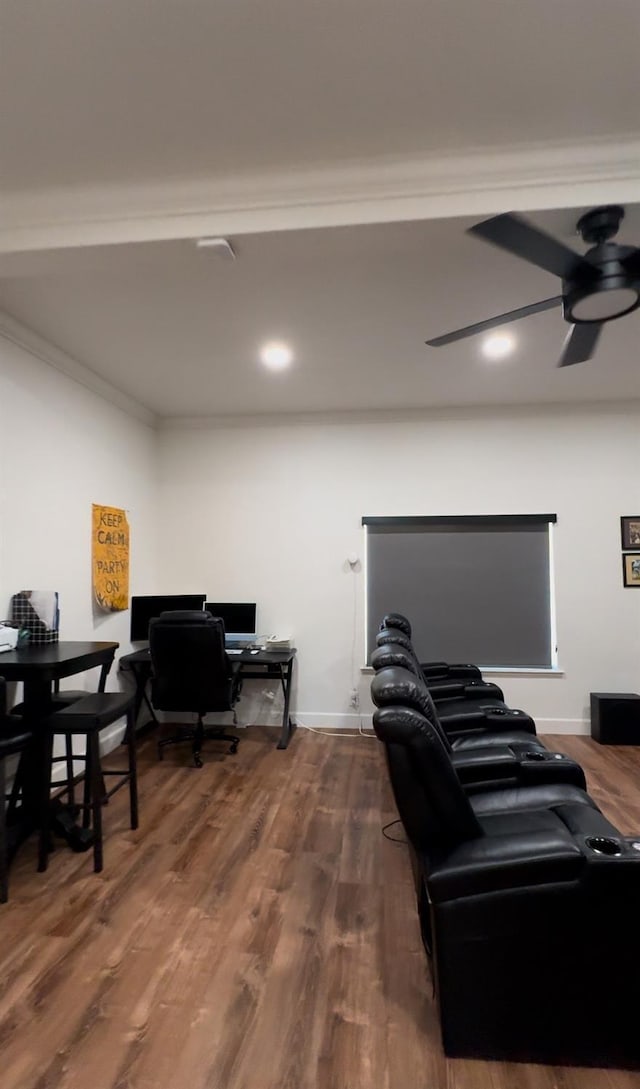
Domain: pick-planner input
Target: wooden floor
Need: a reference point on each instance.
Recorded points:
(257, 932)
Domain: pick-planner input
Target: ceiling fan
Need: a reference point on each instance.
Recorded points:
(601, 285)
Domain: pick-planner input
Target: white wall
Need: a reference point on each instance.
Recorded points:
(270, 511)
(63, 448)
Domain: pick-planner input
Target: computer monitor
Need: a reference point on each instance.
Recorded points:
(144, 609)
(238, 617)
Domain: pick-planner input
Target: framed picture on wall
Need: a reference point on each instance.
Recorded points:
(631, 569)
(630, 530)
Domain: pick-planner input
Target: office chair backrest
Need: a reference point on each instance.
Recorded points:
(433, 806)
(190, 668)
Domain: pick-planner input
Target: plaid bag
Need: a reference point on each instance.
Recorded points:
(36, 611)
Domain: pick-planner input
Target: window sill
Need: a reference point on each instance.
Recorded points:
(519, 671)
(501, 671)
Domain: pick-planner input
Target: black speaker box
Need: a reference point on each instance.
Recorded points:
(615, 718)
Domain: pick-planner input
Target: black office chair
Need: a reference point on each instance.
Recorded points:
(191, 671)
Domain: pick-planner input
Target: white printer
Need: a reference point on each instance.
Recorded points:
(8, 638)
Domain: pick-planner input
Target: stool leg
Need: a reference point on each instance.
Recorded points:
(44, 815)
(86, 793)
(196, 745)
(16, 788)
(96, 780)
(133, 768)
(68, 744)
(4, 854)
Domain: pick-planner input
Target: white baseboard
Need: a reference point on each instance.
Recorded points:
(563, 726)
(321, 720)
(353, 721)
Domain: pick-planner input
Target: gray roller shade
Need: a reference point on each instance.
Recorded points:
(475, 589)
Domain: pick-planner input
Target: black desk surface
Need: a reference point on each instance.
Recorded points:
(53, 660)
(245, 657)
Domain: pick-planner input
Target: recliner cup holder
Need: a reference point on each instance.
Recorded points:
(602, 845)
(536, 755)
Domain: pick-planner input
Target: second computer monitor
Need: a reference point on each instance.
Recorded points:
(238, 617)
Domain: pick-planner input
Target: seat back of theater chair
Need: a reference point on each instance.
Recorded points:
(394, 654)
(432, 804)
(395, 686)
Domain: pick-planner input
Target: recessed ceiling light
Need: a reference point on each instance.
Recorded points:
(498, 345)
(276, 355)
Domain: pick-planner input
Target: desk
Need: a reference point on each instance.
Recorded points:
(251, 665)
(38, 667)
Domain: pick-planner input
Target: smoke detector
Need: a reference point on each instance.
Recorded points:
(220, 246)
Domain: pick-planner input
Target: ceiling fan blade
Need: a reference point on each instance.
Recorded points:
(492, 323)
(632, 262)
(580, 344)
(515, 235)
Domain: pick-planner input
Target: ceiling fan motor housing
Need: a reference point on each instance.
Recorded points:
(612, 290)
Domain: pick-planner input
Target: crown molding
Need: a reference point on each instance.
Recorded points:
(21, 335)
(354, 417)
(475, 182)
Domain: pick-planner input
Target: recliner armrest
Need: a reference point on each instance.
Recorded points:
(456, 671)
(471, 690)
(489, 864)
(476, 766)
(478, 717)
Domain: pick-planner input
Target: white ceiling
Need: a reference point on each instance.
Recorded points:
(139, 124)
(178, 329)
(116, 91)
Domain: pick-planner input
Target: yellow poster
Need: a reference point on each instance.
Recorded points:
(110, 557)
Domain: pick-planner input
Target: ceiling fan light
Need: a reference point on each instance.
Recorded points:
(498, 345)
(602, 300)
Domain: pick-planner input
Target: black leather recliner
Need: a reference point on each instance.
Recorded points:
(485, 761)
(450, 687)
(396, 622)
(467, 719)
(191, 671)
(529, 906)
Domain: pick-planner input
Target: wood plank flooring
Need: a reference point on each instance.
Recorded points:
(256, 932)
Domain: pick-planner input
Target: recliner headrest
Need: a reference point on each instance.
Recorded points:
(396, 620)
(395, 685)
(393, 654)
(393, 635)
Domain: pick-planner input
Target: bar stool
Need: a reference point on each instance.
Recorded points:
(11, 744)
(61, 698)
(86, 717)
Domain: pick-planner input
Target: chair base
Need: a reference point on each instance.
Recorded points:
(196, 735)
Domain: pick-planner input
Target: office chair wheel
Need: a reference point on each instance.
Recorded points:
(233, 748)
(197, 760)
